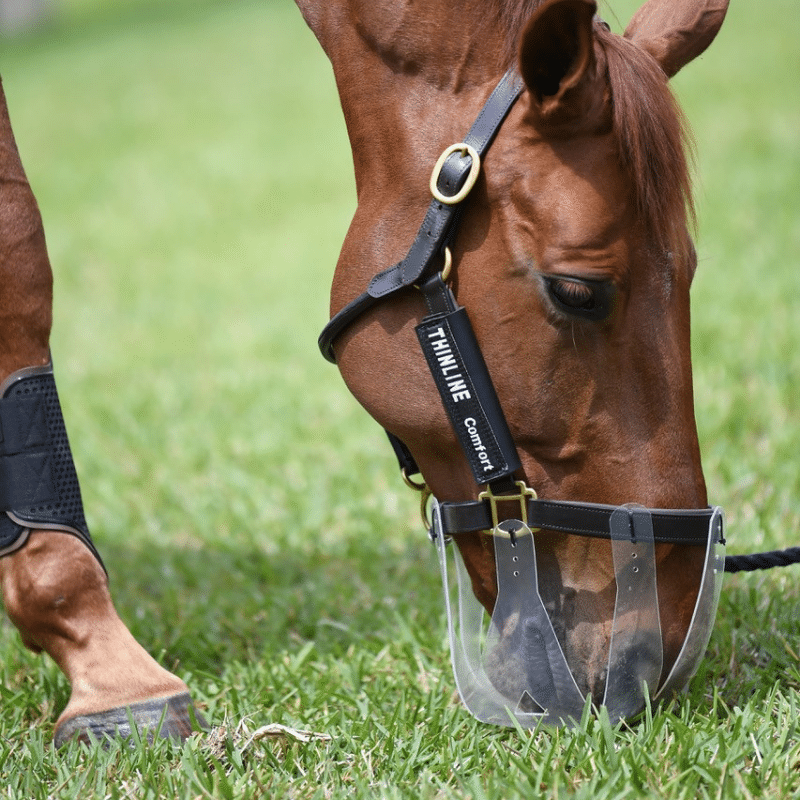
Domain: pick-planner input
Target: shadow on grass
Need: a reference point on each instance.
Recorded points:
(233, 620)
(227, 617)
(204, 607)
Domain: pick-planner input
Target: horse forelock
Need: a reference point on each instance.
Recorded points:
(513, 14)
(655, 144)
(654, 141)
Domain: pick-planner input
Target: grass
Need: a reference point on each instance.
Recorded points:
(195, 180)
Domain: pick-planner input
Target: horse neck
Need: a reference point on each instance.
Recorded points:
(409, 79)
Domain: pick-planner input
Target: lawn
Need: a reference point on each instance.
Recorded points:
(195, 180)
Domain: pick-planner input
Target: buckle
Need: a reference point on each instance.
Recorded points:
(524, 494)
(474, 169)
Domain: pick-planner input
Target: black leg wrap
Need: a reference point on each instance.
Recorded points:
(38, 483)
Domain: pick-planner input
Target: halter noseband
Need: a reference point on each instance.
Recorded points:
(460, 372)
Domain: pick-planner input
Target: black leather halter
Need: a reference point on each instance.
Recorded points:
(456, 361)
(438, 227)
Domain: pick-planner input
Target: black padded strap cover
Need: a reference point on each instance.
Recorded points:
(38, 483)
(468, 394)
(26, 476)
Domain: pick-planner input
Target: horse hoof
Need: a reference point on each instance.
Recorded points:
(165, 718)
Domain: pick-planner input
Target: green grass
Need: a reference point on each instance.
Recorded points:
(194, 176)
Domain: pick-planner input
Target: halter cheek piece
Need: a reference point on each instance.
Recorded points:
(460, 372)
(38, 483)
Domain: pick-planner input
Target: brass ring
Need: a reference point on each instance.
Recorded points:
(423, 507)
(475, 168)
(417, 487)
(448, 264)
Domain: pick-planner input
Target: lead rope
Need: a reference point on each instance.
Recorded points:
(768, 560)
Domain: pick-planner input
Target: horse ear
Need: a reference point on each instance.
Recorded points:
(676, 31)
(556, 57)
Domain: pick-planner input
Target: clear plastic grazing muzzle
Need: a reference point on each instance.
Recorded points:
(512, 667)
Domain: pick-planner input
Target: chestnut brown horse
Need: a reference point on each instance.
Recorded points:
(582, 204)
(585, 191)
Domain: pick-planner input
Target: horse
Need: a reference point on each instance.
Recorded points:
(573, 260)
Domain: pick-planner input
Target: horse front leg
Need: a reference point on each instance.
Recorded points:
(54, 585)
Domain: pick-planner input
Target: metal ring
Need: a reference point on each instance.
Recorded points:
(448, 264)
(417, 487)
(475, 168)
(423, 508)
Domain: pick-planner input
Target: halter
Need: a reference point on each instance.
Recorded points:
(460, 372)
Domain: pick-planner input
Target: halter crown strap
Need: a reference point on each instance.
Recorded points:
(440, 218)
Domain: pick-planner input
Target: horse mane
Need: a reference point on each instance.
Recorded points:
(654, 141)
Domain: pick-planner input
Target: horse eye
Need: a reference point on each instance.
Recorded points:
(581, 298)
(572, 294)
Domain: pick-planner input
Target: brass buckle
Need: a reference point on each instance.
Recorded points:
(525, 493)
(474, 169)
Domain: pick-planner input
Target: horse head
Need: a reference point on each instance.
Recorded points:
(574, 262)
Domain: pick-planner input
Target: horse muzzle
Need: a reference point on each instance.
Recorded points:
(510, 666)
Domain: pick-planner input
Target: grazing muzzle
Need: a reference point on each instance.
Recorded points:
(510, 666)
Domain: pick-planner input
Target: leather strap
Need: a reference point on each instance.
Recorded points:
(440, 219)
(687, 527)
(418, 268)
(404, 458)
(468, 395)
